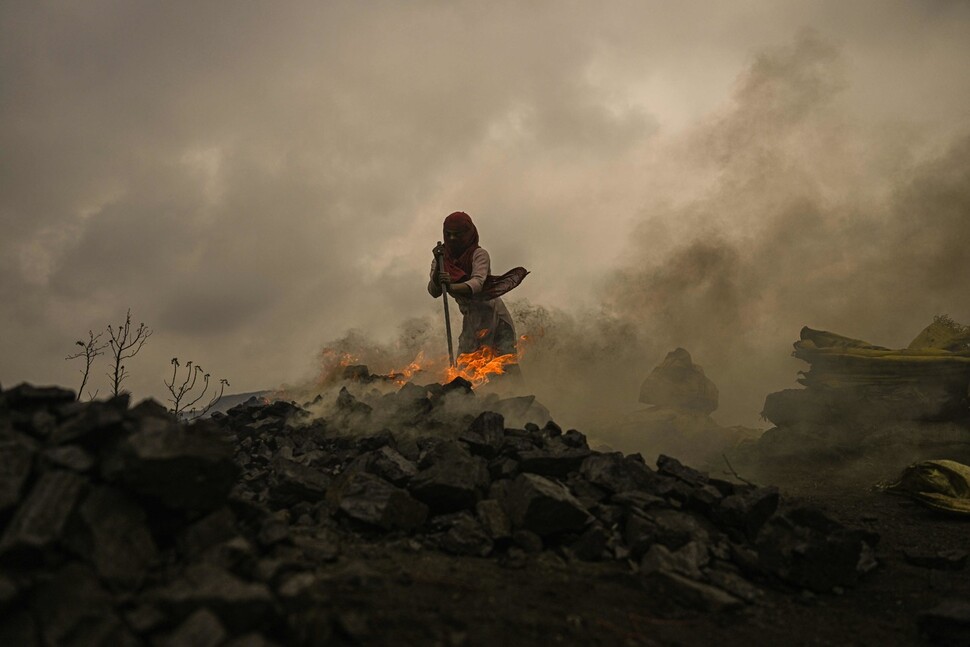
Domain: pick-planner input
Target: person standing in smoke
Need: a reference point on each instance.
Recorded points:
(466, 275)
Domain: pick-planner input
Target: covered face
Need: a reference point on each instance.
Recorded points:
(460, 234)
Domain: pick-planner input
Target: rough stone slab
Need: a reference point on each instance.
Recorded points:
(467, 537)
(187, 468)
(545, 507)
(16, 460)
(239, 604)
(493, 518)
(592, 544)
(485, 434)
(748, 510)
(201, 629)
(73, 608)
(448, 486)
(556, 459)
(391, 465)
(215, 528)
(687, 561)
(26, 396)
(41, 519)
(292, 482)
(96, 424)
(374, 501)
(111, 532)
(72, 457)
(617, 473)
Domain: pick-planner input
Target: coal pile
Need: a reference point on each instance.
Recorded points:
(123, 526)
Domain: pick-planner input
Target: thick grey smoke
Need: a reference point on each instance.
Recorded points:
(253, 181)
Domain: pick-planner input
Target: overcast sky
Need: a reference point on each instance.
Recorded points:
(254, 179)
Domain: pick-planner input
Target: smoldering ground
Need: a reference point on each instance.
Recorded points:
(801, 213)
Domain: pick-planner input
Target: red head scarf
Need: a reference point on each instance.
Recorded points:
(458, 254)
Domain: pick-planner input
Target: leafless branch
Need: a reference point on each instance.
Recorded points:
(89, 350)
(125, 344)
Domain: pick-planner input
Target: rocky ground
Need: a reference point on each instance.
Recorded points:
(422, 515)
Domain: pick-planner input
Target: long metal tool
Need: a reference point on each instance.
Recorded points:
(439, 255)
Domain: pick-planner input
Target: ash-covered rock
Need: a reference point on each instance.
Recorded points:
(123, 525)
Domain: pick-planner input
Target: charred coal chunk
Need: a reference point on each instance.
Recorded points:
(387, 463)
(592, 544)
(670, 528)
(672, 467)
(72, 608)
(42, 518)
(110, 531)
(451, 478)
(349, 404)
(72, 457)
(543, 506)
(556, 458)
(467, 536)
(25, 397)
(458, 385)
(374, 501)
(806, 548)
(292, 482)
(747, 510)
(16, 461)
(494, 519)
(95, 425)
(616, 473)
(187, 468)
(485, 435)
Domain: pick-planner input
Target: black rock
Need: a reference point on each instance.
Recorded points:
(670, 528)
(16, 460)
(575, 438)
(467, 536)
(555, 459)
(450, 485)
(349, 404)
(485, 435)
(217, 527)
(110, 531)
(25, 397)
(592, 544)
(97, 423)
(188, 468)
(616, 473)
(545, 507)
(374, 501)
(41, 519)
(527, 540)
(72, 608)
(292, 482)
(493, 518)
(748, 510)
(672, 467)
(390, 465)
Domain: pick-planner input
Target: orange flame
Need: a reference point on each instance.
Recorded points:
(478, 366)
(405, 374)
(332, 363)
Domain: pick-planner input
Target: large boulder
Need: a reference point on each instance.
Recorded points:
(678, 383)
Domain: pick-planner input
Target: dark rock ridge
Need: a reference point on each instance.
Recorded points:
(122, 526)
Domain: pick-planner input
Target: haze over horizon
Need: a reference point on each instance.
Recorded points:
(255, 180)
